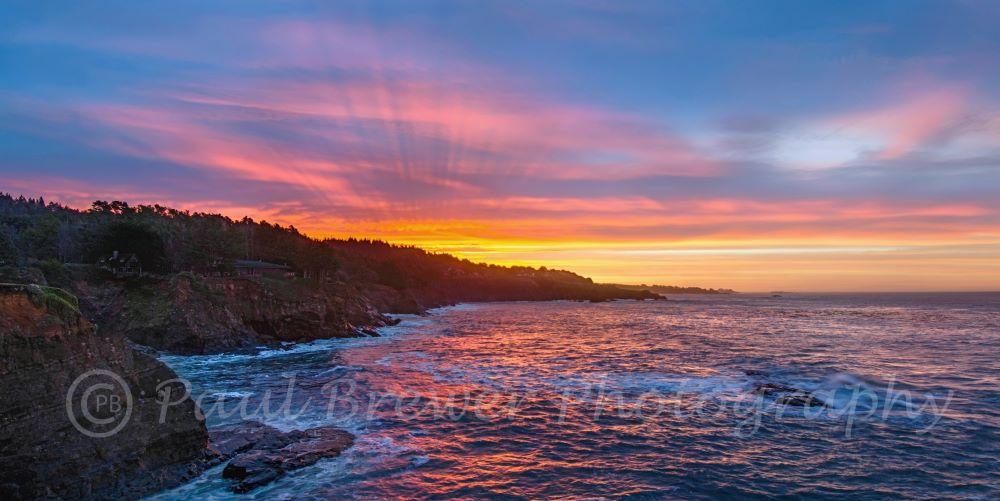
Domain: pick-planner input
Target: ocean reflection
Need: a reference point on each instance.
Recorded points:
(740, 396)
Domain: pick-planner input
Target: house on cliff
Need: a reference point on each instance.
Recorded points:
(122, 265)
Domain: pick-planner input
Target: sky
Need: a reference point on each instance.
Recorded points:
(812, 146)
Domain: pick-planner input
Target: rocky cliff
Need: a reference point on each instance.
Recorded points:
(182, 293)
(108, 439)
(191, 314)
(195, 314)
(187, 313)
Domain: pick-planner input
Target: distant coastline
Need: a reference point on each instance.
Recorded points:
(114, 285)
(197, 283)
(674, 289)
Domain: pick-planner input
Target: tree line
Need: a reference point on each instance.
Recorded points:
(168, 240)
(164, 239)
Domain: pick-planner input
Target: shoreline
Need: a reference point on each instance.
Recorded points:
(780, 389)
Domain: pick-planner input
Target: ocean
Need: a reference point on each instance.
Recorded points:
(686, 398)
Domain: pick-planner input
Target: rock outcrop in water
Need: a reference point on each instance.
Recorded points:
(788, 395)
(261, 454)
(45, 345)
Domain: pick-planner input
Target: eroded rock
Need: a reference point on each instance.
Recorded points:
(261, 454)
(45, 346)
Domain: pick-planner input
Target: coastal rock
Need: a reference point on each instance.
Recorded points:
(771, 389)
(46, 345)
(191, 314)
(261, 454)
(801, 400)
(228, 441)
(188, 286)
(788, 395)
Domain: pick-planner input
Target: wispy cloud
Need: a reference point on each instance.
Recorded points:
(641, 126)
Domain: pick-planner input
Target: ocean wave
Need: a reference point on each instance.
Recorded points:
(718, 353)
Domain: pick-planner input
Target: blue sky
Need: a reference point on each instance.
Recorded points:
(560, 133)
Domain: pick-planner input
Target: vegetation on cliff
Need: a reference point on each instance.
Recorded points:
(169, 241)
(192, 296)
(57, 301)
(60, 443)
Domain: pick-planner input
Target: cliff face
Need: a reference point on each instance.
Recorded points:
(46, 345)
(469, 288)
(191, 314)
(188, 301)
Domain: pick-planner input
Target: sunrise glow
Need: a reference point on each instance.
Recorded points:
(843, 154)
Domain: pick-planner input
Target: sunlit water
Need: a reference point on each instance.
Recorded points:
(640, 399)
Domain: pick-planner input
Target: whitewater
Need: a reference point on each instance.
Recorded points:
(686, 398)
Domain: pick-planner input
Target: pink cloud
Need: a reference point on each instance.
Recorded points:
(506, 122)
(907, 125)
